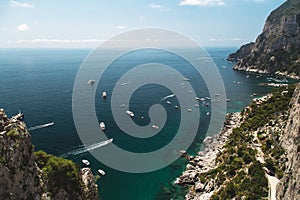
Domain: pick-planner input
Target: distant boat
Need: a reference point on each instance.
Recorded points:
(168, 102)
(101, 172)
(176, 107)
(155, 126)
(227, 100)
(196, 105)
(91, 82)
(208, 98)
(186, 79)
(130, 113)
(86, 162)
(190, 110)
(104, 95)
(207, 113)
(102, 126)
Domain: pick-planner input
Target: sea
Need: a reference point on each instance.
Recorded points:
(39, 83)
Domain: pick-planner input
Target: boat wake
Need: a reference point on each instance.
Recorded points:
(87, 148)
(40, 126)
(169, 96)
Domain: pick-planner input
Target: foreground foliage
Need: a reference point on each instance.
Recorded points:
(241, 175)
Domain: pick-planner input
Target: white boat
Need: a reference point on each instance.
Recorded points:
(168, 102)
(86, 162)
(190, 110)
(196, 105)
(208, 98)
(91, 82)
(176, 107)
(197, 98)
(207, 113)
(104, 94)
(186, 79)
(102, 126)
(130, 113)
(155, 126)
(101, 172)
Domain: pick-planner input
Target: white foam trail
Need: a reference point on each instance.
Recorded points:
(88, 148)
(40, 126)
(169, 96)
(124, 83)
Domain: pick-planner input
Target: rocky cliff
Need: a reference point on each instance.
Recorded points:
(289, 185)
(26, 175)
(255, 156)
(276, 49)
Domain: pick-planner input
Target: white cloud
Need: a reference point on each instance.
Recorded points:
(36, 41)
(159, 7)
(15, 4)
(202, 3)
(225, 39)
(23, 27)
(153, 5)
(120, 27)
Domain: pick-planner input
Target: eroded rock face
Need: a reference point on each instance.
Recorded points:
(20, 177)
(276, 49)
(289, 185)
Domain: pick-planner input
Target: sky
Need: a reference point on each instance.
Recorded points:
(85, 24)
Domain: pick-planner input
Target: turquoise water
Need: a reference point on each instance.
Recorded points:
(39, 82)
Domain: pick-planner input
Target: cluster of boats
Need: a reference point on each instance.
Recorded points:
(87, 163)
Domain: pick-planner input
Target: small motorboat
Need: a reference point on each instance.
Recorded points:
(190, 110)
(176, 107)
(155, 126)
(104, 95)
(102, 126)
(186, 79)
(91, 82)
(101, 172)
(168, 102)
(130, 113)
(86, 162)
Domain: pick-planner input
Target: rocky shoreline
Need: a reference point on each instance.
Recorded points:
(206, 160)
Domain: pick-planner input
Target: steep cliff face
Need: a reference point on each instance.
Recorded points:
(25, 175)
(289, 185)
(19, 176)
(276, 49)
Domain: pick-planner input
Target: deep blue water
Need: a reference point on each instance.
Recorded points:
(39, 82)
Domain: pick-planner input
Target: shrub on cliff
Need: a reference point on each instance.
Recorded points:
(60, 172)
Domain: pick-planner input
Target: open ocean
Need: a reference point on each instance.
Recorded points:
(39, 82)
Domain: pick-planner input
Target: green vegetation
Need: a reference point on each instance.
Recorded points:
(238, 170)
(12, 133)
(60, 172)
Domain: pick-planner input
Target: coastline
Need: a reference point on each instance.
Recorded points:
(206, 160)
(259, 71)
